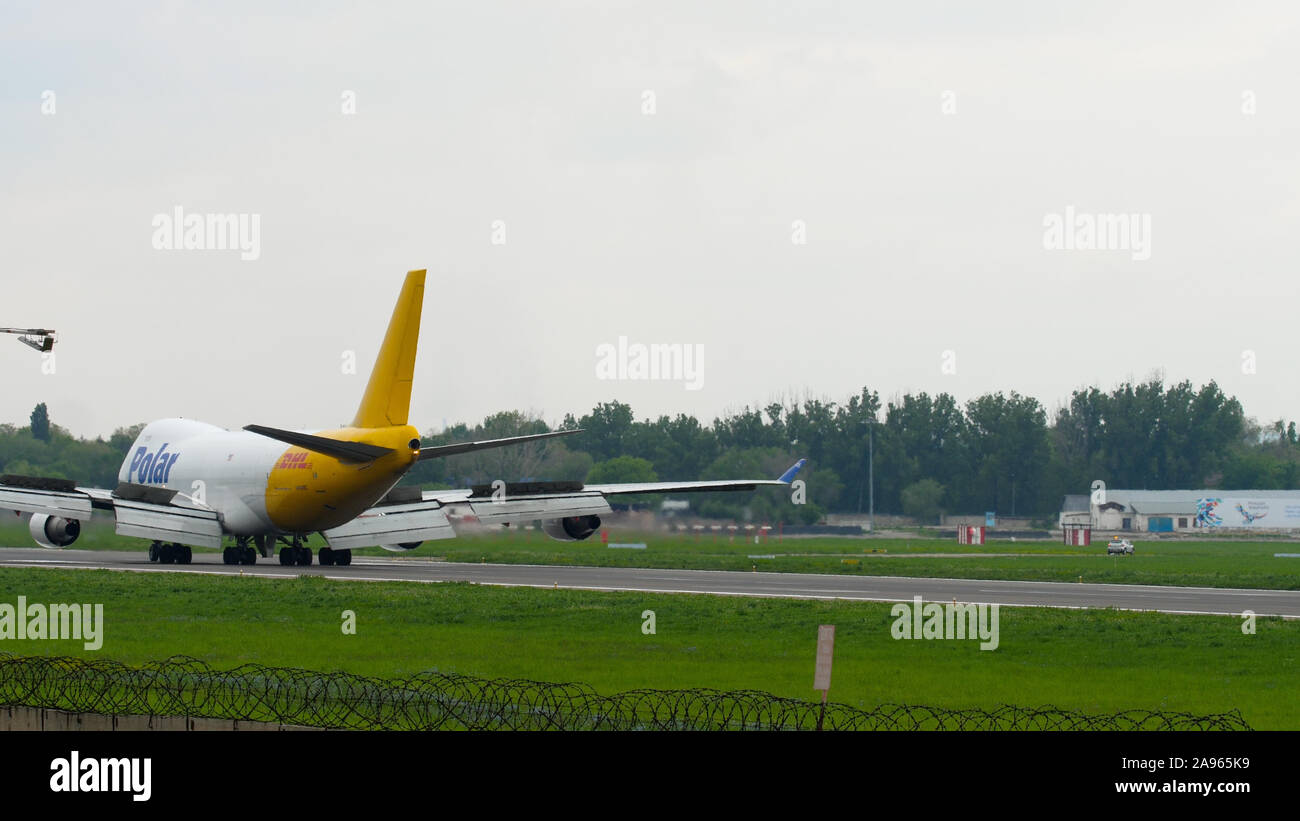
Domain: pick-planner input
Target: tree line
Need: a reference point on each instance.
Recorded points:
(1000, 452)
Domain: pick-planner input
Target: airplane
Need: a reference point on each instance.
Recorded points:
(187, 484)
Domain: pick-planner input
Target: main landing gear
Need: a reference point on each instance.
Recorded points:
(291, 555)
(295, 553)
(241, 553)
(170, 553)
(330, 556)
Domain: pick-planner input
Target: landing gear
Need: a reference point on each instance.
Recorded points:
(239, 554)
(170, 553)
(295, 554)
(329, 556)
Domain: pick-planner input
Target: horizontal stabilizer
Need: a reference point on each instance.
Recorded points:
(347, 451)
(439, 451)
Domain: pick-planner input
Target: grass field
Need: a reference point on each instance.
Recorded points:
(1228, 563)
(1093, 661)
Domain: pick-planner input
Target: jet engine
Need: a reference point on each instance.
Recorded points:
(53, 531)
(571, 528)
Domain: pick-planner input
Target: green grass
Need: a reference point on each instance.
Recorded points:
(1094, 661)
(1192, 562)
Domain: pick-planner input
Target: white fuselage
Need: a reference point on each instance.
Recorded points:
(225, 470)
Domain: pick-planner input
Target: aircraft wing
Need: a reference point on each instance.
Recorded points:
(697, 487)
(139, 511)
(410, 515)
(434, 515)
(680, 487)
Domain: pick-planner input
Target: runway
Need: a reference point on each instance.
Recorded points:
(1190, 600)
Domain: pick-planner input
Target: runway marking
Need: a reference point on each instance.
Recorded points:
(289, 572)
(784, 586)
(768, 573)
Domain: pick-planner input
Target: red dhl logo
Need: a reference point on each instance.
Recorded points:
(293, 461)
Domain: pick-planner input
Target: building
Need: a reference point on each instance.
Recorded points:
(1170, 511)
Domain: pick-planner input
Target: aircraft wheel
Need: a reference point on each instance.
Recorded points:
(304, 556)
(343, 557)
(286, 556)
(250, 556)
(184, 553)
(326, 556)
(154, 553)
(165, 554)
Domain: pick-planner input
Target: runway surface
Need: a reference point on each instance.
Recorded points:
(715, 582)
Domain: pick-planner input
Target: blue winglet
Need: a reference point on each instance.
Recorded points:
(788, 476)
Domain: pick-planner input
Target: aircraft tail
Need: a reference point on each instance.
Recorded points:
(387, 400)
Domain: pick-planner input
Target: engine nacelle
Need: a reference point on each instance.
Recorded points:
(53, 532)
(401, 547)
(571, 528)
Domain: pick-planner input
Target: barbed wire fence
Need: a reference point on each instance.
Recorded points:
(185, 686)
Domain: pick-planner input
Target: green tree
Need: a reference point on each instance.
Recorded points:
(623, 470)
(620, 470)
(603, 430)
(41, 423)
(123, 438)
(923, 500)
(574, 465)
(1009, 440)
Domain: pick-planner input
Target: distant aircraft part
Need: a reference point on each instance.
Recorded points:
(37, 338)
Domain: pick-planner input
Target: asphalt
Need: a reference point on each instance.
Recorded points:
(712, 582)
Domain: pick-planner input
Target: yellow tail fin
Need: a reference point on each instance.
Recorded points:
(387, 400)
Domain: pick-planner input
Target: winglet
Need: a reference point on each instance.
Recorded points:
(387, 399)
(788, 476)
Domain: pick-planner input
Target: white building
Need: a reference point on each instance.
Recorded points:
(1168, 511)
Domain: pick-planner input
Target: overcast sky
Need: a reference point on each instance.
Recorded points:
(652, 168)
